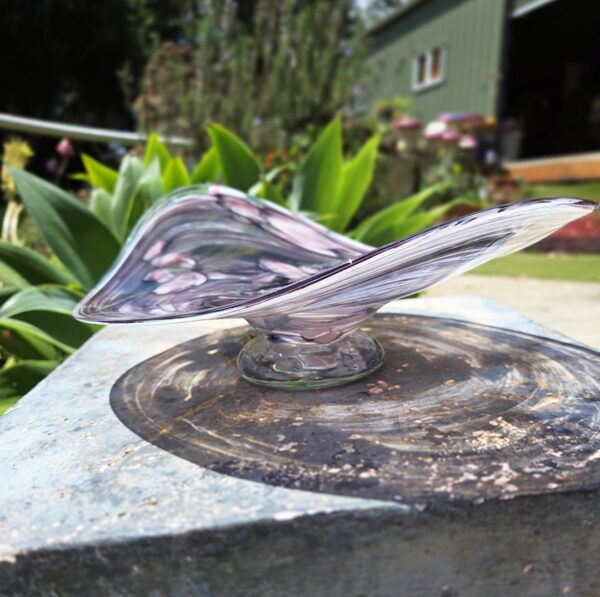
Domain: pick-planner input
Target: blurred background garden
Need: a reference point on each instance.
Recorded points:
(377, 118)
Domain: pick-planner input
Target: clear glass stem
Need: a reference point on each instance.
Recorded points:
(298, 364)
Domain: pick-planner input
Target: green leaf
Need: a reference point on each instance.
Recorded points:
(155, 148)
(415, 223)
(374, 225)
(272, 175)
(50, 310)
(16, 380)
(130, 173)
(405, 227)
(175, 175)
(82, 176)
(52, 298)
(27, 330)
(99, 175)
(31, 266)
(355, 180)
(266, 190)
(317, 181)
(6, 403)
(79, 239)
(5, 293)
(239, 166)
(11, 278)
(17, 341)
(101, 206)
(207, 169)
(148, 190)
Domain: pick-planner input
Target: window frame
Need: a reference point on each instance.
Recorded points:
(429, 81)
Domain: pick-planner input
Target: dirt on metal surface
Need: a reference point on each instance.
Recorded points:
(459, 411)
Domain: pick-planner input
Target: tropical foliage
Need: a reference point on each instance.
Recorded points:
(38, 292)
(327, 187)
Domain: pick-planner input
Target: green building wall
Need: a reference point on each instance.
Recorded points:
(472, 33)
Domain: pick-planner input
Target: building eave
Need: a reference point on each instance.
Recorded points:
(396, 16)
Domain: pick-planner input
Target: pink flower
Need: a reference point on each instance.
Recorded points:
(450, 136)
(467, 142)
(460, 117)
(435, 129)
(408, 123)
(65, 148)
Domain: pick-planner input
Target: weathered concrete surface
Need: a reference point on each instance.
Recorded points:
(458, 411)
(88, 507)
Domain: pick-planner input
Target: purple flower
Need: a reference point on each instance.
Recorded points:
(52, 166)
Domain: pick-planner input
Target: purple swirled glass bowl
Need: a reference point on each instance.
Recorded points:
(211, 252)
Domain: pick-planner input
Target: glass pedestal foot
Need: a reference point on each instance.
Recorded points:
(301, 365)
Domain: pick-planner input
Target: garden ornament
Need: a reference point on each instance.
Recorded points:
(211, 252)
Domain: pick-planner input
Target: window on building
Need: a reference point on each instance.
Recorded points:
(429, 68)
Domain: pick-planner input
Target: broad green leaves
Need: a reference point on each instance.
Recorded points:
(317, 181)
(324, 186)
(17, 379)
(30, 266)
(355, 177)
(49, 309)
(207, 169)
(175, 175)
(379, 228)
(264, 189)
(149, 189)
(155, 148)
(240, 168)
(78, 237)
(130, 173)
(99, 175)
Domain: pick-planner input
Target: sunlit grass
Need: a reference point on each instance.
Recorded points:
(588, 189)
(548, 266)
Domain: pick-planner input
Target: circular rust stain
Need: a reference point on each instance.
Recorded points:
(459, 411)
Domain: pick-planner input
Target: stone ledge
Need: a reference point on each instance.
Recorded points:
(88, 507)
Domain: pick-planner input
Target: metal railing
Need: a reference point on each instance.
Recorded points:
(37, 126)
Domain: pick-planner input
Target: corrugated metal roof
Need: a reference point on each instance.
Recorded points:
(400, 12)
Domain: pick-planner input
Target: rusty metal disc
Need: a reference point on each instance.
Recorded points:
(459, 411)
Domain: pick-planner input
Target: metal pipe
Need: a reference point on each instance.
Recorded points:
(37, 126)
